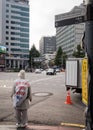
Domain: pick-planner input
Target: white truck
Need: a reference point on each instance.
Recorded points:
(77, 76)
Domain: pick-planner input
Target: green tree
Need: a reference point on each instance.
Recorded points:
(33, 53)
(79, 53)
(60, 58)
(64, 56)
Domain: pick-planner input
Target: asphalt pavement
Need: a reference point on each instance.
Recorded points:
(48, 106)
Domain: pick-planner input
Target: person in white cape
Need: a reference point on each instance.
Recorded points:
(21, 95)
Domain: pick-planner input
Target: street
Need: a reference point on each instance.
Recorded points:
(48, 100)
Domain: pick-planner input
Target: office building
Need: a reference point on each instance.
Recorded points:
(69, 36)
(14, 31)
(47, 45)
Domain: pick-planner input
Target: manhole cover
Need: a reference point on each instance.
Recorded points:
(42, 94)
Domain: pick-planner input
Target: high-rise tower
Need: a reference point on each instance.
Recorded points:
(14, 31)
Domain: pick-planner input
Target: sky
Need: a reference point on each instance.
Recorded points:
(42, 17)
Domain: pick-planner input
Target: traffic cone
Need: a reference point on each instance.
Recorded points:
(68, 99)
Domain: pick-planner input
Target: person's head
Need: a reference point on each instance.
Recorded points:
(21, 74)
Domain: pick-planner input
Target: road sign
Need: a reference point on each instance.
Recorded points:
(85, 81)
(38, 59)
(2, 49)
(75, 20)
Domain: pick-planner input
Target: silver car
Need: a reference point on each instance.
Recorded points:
(37, 71)
(50, 71)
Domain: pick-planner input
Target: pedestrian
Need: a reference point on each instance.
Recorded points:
(21, 95)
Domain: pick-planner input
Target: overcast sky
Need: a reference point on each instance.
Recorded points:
(42, 17)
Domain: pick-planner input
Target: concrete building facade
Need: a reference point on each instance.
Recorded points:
(47, 45)
(14, 31)
(69, 36)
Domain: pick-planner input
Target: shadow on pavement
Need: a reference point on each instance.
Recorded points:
(23, 128)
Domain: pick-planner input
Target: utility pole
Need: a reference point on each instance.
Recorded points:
(89, 49)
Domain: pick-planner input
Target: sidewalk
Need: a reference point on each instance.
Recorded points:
(38, 127)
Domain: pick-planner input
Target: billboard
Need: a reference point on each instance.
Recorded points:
(2, 56)
(85, 81)
(2, 49)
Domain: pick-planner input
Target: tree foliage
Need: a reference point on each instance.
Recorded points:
(60, 58)
(64, 59)
(33, 53)
(79, 53)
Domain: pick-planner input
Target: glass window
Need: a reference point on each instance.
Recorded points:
(12, 38)
(12, 27)
(7, 43)
(20, 23)
(7, 5)
(7, 38)
(7, 16)
(21, 8)
(7, 21)
(21, 13)
(22, 19)
(7, 10)
(7, 32)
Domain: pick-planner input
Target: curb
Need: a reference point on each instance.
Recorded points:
(73, 125)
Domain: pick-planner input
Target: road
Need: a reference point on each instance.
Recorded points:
(48, 100)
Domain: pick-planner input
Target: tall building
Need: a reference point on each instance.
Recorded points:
(69, 36)
(47, 45)
(14, 31)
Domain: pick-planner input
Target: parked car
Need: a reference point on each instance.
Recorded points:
(51, 71)
(37, 71)
(58, 70)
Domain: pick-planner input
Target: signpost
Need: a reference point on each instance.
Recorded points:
(75, 20)
(84, 81)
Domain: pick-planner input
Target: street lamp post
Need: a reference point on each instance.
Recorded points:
(89, 49)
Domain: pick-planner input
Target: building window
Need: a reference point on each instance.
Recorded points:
(7, 10)
(7, 27)
(12, 27)
(12, 38)
(7, 38)
(21, 8)
(7, 49)
(22, 19)
(7, 43)
(7, 32)
(7, 16)
(7, 21)
(7, 5)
